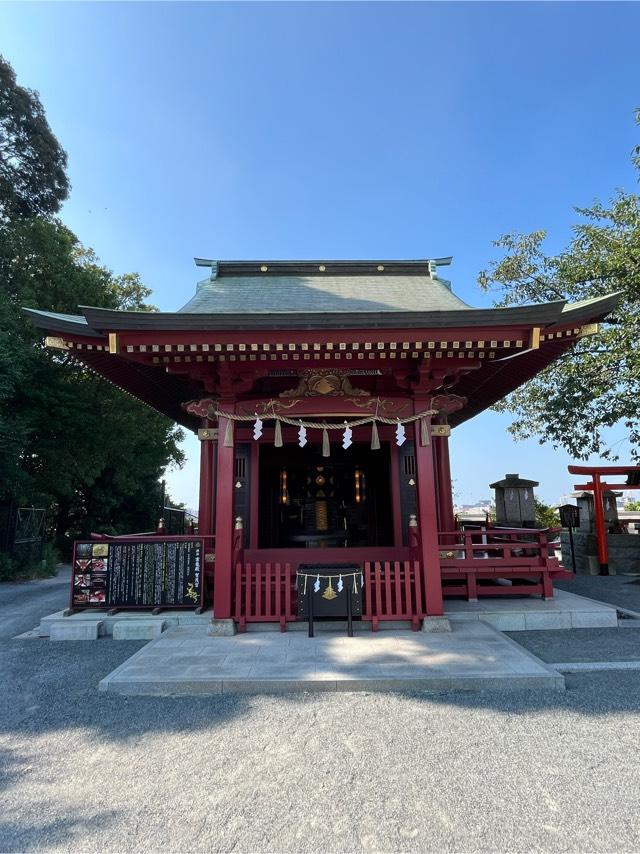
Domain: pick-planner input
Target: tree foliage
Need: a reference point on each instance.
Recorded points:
(69, 440)
(33, 179)
(68, 437)
(597, 384)
(546, 516)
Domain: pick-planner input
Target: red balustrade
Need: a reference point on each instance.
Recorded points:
(479, 562)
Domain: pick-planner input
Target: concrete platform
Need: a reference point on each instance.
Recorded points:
(80, 630)
(472, 657)
(131, 625)
(510, 614)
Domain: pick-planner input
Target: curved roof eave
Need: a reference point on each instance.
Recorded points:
(542, 314)
(51, 321)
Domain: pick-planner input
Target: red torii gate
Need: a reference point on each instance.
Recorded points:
(598, 487)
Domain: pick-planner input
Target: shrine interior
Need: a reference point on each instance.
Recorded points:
(307, 500)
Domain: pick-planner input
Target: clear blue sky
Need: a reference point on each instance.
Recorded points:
(335, 131)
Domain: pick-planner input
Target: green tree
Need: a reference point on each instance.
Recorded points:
(632, 506)
(546, 516)
(33, 179)
(69, 440)
(596, 384)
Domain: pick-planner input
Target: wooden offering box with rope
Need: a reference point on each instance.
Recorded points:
(329, 592)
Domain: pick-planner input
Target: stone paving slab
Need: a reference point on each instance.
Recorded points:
(473, 656)
(530, 613)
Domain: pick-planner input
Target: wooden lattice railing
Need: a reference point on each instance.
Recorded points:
(265, 592)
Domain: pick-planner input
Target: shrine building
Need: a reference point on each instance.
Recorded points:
(324, 394)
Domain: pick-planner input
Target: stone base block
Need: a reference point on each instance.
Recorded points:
(436, 624)
(221, 628)
(138, 629)
(75, 630)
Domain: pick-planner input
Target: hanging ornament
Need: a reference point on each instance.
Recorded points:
(425, 439)
(277, 434)
(257, 429)
(400, 436)
(346, 436)
(375, 439)
(326, 447)
(228, 434)
(302, 436)
(340, 585)
(316, 586)
(329, 593)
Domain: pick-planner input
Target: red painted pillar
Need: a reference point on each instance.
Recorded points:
(601, 530)
(207, 479)
(224, 523)
(427, 522)
(446, 515)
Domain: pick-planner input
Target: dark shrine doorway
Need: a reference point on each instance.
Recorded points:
(307, 500)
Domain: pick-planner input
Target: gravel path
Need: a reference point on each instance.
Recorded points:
(582, 644)
(81, 771)
(22, 604)
(620, 590)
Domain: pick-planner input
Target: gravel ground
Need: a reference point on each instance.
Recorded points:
(23, 603)
(81, 771)
(582, 644)
(620, 590)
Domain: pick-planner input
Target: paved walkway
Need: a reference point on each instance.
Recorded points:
(515, 614)
(473, 656)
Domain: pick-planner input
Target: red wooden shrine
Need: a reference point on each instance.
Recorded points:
(333, 345)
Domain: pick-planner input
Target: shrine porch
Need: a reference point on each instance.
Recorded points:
(393, 583)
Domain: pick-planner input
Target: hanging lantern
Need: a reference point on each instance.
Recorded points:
(257, 429)
(284, 489)
(302, 436)
(400, 435)
(346, 436)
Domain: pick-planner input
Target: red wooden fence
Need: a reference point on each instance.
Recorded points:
(473, 561)
(472, 564)
(265, 592)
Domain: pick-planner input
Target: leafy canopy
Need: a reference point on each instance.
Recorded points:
(69, 440)
(33, 179)
(597, 384)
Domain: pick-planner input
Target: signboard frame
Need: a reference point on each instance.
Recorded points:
(107, 543)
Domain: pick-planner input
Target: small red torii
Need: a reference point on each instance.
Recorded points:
(598, 487)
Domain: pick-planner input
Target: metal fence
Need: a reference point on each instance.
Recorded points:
(23, 533)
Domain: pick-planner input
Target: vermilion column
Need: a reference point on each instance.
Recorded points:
(207, 479)
(446, 515)
(428, 522)
(224, 523)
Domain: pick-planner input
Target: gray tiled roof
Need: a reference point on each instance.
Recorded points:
(307, 294)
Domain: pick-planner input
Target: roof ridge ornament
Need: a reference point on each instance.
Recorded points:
(206, 262)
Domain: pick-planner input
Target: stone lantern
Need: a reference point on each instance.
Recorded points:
(515, 507)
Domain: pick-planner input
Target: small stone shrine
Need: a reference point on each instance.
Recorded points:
(515, 506)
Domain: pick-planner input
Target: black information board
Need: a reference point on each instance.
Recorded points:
(143, 573)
